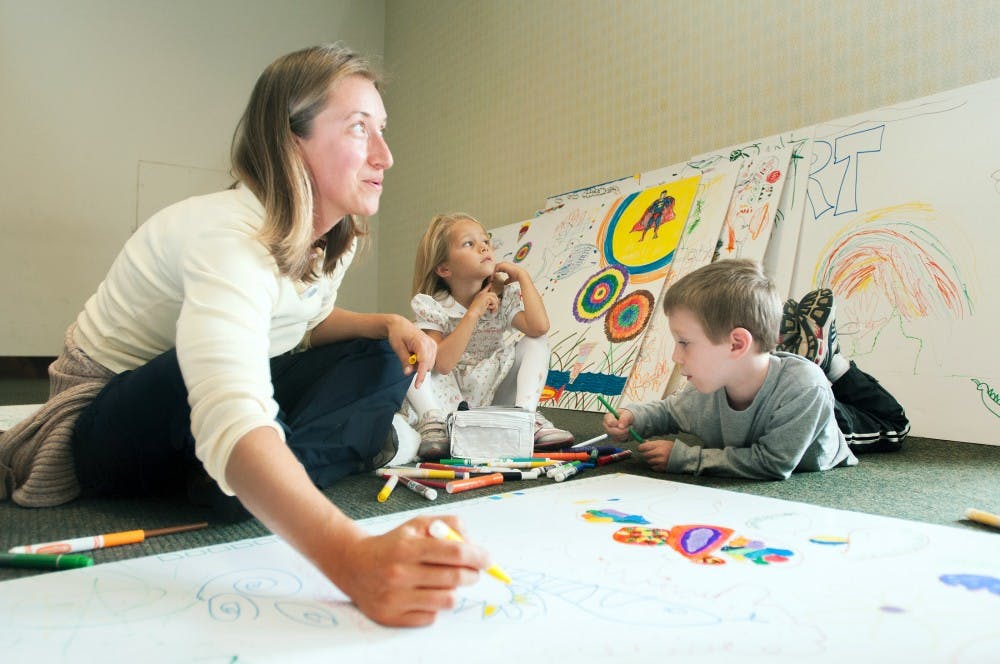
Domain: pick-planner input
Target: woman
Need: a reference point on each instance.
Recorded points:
(215, 337)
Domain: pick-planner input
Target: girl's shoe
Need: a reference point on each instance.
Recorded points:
(548, 434)
(434, 441)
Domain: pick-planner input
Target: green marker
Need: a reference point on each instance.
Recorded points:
(611, 409)
(45, 560)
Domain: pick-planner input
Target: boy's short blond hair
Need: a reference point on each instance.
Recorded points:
(728, 294)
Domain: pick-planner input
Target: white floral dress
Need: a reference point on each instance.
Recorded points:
(490, 353)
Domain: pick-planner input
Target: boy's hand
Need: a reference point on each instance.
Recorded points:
(657, 453)
(617, 427)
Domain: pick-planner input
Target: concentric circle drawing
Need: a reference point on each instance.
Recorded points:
(522, 252)
(629, 316)
(599, 292)
(642, 230)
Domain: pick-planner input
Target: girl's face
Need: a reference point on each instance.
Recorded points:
(702, 361)
(470, 254)
(346, 153)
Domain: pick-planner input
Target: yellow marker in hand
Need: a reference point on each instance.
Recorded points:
(442, 531)
(413, 358)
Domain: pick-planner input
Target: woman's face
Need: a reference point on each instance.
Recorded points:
(346, 153)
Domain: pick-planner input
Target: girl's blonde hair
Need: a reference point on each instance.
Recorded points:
(433, 250)
(266, 159)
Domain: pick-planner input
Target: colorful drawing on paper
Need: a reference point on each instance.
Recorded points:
(599, 290)
(887, 267)
(747, 228)
(258, 600)
(973, 582)
(642, 229)
(598, 293)
(653, 367)
(897, 223)
(609, 515)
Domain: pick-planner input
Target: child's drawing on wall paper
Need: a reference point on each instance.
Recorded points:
(659, 211)
(553, 246)
(900, 222)
(663, 209)
(748, 224)
(787, 208)
(889, 270)
(609, 309)
(651, 372)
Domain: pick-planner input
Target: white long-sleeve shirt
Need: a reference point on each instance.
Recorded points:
(195, 277)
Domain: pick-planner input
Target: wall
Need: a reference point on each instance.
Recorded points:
(496, 105)
(113, 108)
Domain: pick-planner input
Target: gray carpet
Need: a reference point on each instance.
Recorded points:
(929, 480)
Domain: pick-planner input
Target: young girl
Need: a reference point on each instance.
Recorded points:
(468, 304)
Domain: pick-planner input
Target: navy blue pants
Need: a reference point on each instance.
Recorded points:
(336, 406)
(870, 418)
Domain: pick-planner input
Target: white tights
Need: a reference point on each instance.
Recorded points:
(522, 386)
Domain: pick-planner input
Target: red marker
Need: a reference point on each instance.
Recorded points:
(611, 458)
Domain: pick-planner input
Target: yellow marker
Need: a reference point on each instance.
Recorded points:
(979, 516)
(413, 358)
(441, 530)
(387, 488)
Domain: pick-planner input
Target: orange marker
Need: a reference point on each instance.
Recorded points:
(564, 456)
(102, 541)
(457, 486)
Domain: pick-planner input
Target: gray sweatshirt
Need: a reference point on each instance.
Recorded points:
(790, 426)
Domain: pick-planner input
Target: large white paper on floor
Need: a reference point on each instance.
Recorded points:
(776, 581)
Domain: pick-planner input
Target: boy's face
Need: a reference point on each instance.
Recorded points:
(704, 363)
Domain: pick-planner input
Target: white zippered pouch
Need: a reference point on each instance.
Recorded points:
(492, 432)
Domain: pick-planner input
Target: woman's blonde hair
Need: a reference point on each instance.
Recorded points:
(266, 159)
(433, 250)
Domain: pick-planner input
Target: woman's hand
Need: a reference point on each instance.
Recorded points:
(405, 577)
(407, 340)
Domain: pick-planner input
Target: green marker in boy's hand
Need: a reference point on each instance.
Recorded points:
(611, 409)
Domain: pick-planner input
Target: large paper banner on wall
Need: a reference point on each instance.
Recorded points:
(779, 256)
(653, 368)
(600, 266)
(902, 224)
(748, 188)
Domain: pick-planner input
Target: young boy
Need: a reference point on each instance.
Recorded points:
(756, 412)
